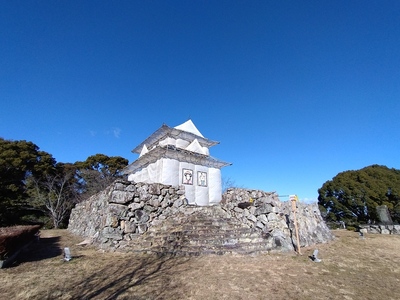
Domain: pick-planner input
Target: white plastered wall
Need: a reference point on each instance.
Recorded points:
(170, 172)
(189, 188)
(150, 174)
(200, 195)
(201, 192)
(215, 186)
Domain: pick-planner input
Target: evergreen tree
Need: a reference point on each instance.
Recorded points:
(352, 196)
(99, 171)
(20, 160)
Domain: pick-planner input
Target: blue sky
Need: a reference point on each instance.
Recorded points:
(295, 91)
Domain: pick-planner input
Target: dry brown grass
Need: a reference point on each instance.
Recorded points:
(351, 268)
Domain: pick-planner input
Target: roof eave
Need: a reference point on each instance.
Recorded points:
(174, 153)
(165, 130)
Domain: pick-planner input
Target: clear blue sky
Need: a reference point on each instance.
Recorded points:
(295, 91)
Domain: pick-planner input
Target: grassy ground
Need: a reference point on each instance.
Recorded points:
(351, 268)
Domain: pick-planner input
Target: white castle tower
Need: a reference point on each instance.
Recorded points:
(180, 156)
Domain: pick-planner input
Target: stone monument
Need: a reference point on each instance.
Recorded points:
(384, 215)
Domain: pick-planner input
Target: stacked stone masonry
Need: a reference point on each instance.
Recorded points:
(143, 217)
(382, 229)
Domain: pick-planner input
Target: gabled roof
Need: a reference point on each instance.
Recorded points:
(144, 150)
(177, 132)
(189, 127)
(196, 147)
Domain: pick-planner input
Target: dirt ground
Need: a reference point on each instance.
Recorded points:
(351, 268)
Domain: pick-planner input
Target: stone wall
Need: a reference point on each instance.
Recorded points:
(126, 212)
(382, 229)
(125, 209)
(268, 214)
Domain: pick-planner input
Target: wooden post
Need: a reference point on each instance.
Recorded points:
(293, 198)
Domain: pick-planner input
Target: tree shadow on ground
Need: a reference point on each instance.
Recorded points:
(136, 277)
(41, 249)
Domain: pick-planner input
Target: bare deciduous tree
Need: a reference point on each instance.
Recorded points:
(56, 194)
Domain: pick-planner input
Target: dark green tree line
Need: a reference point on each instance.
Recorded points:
(35, 188)
(19, 160)
(352, 196)
(99, 171)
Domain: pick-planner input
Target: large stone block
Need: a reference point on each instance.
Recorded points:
(384, 230)
(131, 188)
(149, 208)
(142, 228)
(134, 206)
(112, 221)
(264, 199)
(260, 225)
(155, 189)
(144, 195)
(252, 218)
(119, 186)
(155, 202)
(272, 217)
(263, 219)
(141, 216)
(112, 233)
(118, 209)
(238, 210)
(130, 227)
(178, 203)
(121, 197)
(264, 208)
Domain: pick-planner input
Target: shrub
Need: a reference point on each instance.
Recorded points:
(351, 228)
(15, 237)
